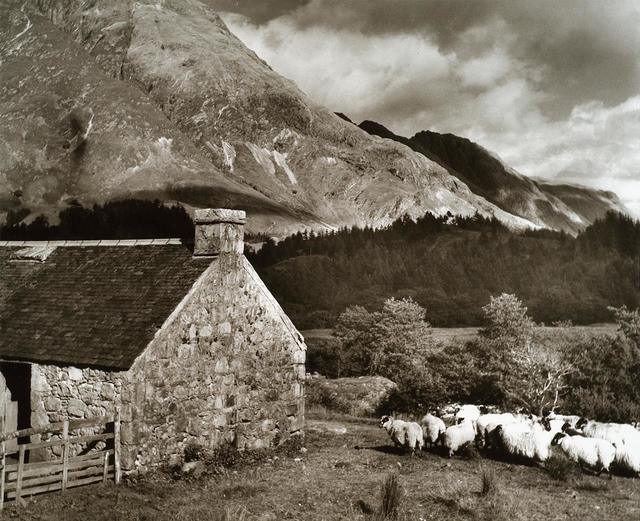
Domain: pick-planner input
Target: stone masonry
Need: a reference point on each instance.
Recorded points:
(225, 368)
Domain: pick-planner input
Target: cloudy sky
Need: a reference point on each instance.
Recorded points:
(553, 87)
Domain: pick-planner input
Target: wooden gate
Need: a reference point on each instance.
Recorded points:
(20, 477)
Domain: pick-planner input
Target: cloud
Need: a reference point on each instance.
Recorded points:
(596, 146)
(257, 11)
(550, 86)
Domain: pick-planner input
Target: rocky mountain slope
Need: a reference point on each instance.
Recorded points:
(108, 99)
(563, 207)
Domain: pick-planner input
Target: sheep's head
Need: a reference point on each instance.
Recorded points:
(556, 439)
(384, 421)
(566, 426)
(582, 422)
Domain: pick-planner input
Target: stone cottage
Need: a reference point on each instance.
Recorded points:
(188, 343)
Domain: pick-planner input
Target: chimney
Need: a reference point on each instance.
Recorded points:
(219, 230)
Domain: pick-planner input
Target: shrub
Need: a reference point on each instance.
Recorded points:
(561, 468)
(319, 394)
(194, 452)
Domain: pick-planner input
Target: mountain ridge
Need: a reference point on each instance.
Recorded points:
(569, 208)
(166, 102)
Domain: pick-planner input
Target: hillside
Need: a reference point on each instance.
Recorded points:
(123, 98)
(453, 269)
(561, 207)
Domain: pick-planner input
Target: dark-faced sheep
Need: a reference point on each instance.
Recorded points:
(402, 433)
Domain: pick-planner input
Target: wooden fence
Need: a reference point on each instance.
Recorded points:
(19, 477)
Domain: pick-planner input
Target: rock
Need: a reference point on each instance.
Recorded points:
(52, 404)
(360, 396)
(193, 468)
(75, 374)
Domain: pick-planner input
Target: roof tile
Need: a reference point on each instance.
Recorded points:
(91, 305)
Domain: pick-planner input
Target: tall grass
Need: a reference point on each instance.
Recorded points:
(489, 486)
(390, 499)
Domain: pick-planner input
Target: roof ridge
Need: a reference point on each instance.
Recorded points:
(94, 242)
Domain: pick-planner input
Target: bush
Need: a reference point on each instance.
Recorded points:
(194, 452)
(561, 468)
(319, 394)
(325, 356)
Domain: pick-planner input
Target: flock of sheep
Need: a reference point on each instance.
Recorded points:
(589, 443)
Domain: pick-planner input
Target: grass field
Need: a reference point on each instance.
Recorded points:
(447, 335)
(339, 477)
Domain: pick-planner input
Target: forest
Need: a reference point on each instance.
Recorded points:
(452, 265)
(125, 219)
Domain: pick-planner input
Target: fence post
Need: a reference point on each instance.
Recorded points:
(3, 464)
(116, 446)
(20, 471)
(65, 454)
(105, 467)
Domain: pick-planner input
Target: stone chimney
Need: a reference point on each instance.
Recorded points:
(218, 231)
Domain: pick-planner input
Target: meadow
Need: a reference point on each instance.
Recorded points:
(338, 473)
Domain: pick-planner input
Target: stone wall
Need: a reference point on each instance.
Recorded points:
(60, 393)
(227, 368)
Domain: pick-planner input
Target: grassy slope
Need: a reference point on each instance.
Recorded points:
(333, 480)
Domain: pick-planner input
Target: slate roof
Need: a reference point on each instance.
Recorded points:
(87, 305)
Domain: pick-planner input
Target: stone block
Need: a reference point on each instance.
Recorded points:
(75, 374)
(53, 404)
(193, 332)
(87, 393)
(222, 366)
(185, 350)
(39, 381)
(127, 434)
(219, 420)
(76, 412)
(206, 331)
(108, 391)
(224, 328)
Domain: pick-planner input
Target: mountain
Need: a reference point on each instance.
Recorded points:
(563, 207)
(102, 100)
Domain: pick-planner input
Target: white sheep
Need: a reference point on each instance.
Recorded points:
(487, 423)
(403, 434)
(521, 440)
(432, 427)
(467, 412)
(592, 452)
(616, 433)
(628, 456)
(458, 435)
(571, 419)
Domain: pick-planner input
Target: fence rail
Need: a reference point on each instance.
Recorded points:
(23, 478)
